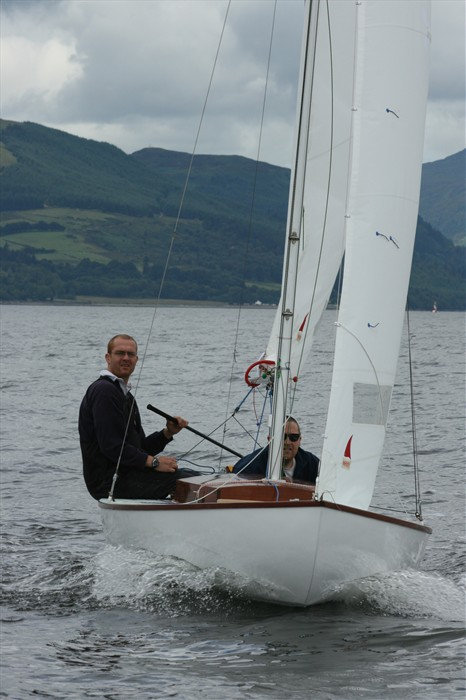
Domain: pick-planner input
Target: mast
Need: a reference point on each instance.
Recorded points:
(315, 231)
(294, 231)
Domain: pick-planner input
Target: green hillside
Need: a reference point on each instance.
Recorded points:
(443, 196)
(439, 270)
(82, 218)
(42, 167)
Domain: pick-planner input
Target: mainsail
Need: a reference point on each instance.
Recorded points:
(391, 79)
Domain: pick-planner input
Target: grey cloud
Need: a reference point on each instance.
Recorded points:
(146, 65)
(148, 75)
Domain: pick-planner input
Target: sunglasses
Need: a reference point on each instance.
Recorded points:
(293, 437)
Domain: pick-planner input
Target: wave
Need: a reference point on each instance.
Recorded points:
(407, 593)
(142, 581)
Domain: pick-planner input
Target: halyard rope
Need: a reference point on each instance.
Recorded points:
(167, 261)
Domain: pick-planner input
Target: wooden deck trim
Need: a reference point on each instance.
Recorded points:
(201, 490)
(196, 507)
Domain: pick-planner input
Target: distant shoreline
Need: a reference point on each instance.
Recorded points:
(112, 301)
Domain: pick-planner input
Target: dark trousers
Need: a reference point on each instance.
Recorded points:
(149, 485)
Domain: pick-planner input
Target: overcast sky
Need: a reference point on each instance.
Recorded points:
(135, 73)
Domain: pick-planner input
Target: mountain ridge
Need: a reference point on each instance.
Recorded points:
(91, 219)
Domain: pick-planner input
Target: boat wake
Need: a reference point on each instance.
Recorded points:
(143, 581)
(139, 580)
(407, 593)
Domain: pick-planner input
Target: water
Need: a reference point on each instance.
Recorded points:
(82, 619)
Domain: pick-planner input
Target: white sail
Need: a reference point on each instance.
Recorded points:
(318, 187)
(318, 193)
(388, 131)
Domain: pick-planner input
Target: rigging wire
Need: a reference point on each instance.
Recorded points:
(199, 442)
(292, 236)
(168, 257)
(417, 490)
(267, 398)
(292, 396)
(231, 417)
(327, 200)
(251, 212)
(291, 207)
(340, 282)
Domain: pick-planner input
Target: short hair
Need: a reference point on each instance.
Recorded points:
(111, 342)
(290, 419)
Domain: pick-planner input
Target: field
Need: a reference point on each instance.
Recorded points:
(95, 235)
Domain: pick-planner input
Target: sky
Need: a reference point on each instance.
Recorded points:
(135, 73)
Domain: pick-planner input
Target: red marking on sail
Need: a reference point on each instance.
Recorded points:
(347, 456)
(301, 328)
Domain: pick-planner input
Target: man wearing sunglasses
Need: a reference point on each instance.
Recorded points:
(297, 465)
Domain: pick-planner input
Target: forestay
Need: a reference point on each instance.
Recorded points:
(391, 81)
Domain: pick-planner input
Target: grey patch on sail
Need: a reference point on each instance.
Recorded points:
(371, 403)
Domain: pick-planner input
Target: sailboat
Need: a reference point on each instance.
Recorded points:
(353, 201)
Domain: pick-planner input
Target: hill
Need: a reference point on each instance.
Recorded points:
(42, 167)
(82, 218)
(443, 196)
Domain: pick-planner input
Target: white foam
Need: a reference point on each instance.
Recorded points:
(408, 594)
(146, 581)
(143, 580)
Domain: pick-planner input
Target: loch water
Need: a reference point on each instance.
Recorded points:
(82, 619)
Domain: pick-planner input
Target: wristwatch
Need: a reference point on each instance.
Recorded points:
(155, 463)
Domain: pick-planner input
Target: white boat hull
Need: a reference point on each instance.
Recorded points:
(288, 553)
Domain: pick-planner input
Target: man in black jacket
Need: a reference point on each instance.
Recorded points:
(111, 432)
(297, 465)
